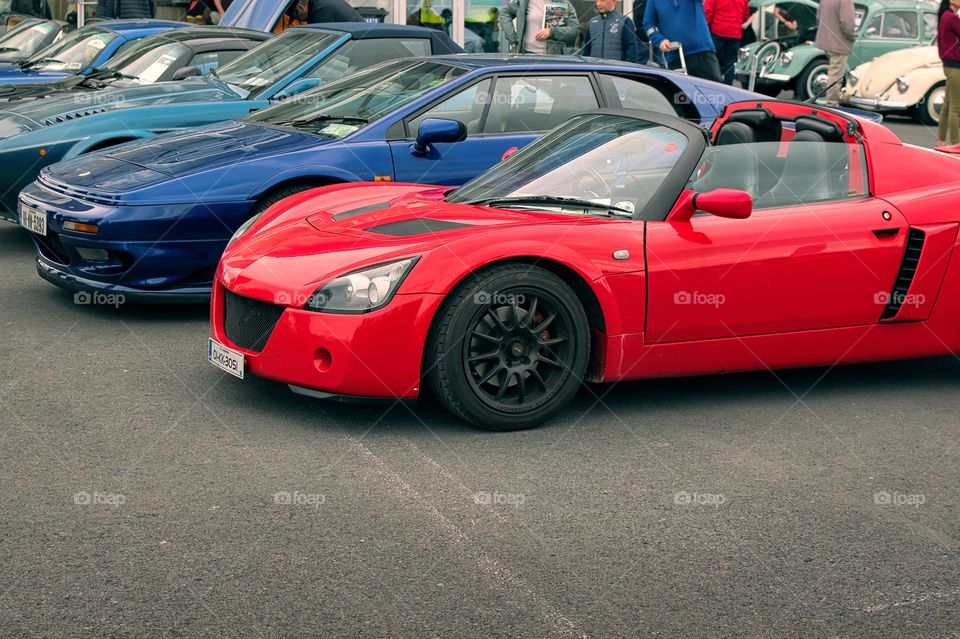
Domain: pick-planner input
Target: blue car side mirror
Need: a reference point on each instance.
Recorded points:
(438, 131)
(297, 86)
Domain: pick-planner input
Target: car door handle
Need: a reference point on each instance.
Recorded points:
(881, 233)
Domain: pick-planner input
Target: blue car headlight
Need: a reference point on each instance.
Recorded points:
(361, 291)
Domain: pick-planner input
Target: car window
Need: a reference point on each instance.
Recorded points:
(74, 52)
(268, 63)
(537, 104)
(637, 94)
(150, 66)
(786, 173)
(873, 27)
(28, 38)
(360, 54)
(900, 24)
(466, 106)
(929, 26)
(209, 60)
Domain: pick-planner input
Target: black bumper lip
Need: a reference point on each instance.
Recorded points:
(53, 273)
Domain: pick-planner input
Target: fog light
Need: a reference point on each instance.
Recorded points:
(902, 85)
(322, 360)
(786, 58)
(80, 227)
(93, 254)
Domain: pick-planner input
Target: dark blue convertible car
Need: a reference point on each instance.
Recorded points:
(149, 220)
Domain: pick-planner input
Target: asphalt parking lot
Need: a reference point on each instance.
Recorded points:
(146, 494)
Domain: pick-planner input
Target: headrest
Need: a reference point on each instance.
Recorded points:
(762, 121)
(736, 133)
(829, 131)
(807, 136)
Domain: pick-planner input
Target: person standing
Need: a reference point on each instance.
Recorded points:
(610, 34)
(35, 8)
(725, 18)
(532, 33)
(320, 11)
(836, 31)
(948, 45)
(126, 9)
(684, 22)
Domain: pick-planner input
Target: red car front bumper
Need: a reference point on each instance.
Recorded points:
(376, 354)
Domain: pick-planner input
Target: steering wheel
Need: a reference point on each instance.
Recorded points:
(594, 176)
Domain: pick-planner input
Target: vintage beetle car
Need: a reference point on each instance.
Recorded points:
(882, 27)
(909, 81)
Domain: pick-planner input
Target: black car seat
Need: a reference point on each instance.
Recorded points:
(733, 169)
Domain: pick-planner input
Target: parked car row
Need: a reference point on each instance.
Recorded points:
(892, 68)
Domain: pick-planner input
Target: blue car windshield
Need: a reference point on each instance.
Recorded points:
(263, 66)
(592, 159)
(339, 108)
(74, 52)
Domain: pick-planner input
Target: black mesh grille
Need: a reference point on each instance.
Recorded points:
(248, 323)
(908, 269)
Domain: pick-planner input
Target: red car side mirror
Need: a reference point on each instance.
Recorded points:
(730, 203)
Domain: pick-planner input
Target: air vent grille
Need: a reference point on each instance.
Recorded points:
(908, 269)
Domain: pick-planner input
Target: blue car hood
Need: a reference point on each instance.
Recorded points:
(72, 105)
(13, 74)
(176, 155)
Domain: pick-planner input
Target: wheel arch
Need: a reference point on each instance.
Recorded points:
(311, 175)
(596, 318)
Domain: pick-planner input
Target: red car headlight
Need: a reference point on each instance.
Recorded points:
(361, 291)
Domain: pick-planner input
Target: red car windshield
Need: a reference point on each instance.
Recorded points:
(603, 159)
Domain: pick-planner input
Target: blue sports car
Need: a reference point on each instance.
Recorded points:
(150, 220)
(82, 50)
(37, 133)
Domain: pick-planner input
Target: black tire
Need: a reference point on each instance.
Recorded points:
(272, 197)
(927, 108)
(804, 89)
(540, 341)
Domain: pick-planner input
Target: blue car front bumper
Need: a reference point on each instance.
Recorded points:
(157, 253)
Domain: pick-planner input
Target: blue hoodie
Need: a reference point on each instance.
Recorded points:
(680, 21)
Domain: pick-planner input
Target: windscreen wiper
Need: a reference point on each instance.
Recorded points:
(30, 63)
(553, 200)
(350, 119)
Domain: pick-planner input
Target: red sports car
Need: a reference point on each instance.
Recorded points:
(622, 245)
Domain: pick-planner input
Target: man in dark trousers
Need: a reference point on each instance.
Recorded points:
(682, 21)
(35, 8)
(332, 11)
(611, 35)
(125, 9)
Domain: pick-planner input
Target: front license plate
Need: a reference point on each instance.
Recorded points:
(225, 358)
(33, 219)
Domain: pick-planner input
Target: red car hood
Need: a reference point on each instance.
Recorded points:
(327, 232)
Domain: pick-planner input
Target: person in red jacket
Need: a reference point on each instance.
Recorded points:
(948, 43)
(726, 19)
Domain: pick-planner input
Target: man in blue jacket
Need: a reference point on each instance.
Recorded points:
(611, 35)
(683, 22)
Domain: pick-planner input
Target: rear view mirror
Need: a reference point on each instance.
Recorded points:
(729, 203)
(185, 72)
(438, 131)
